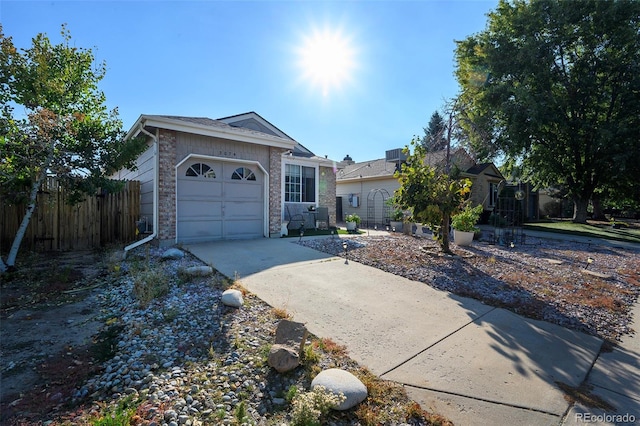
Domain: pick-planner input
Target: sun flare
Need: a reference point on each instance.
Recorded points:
(327, 59)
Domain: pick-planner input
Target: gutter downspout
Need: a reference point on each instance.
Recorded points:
(155, 195)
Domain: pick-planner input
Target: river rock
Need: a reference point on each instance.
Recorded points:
(283, 358)
(172, 253)
(341, 381)
(232, 298)
(198, 271)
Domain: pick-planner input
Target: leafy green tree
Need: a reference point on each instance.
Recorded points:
(432, 195)
(555, 86)
(435, 134)
(66, 130)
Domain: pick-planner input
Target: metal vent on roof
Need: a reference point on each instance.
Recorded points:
(395, 155)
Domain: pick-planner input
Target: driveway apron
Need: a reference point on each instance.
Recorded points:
(473, 363)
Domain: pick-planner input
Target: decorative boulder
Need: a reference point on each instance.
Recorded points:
(291, 333)
(232, 298)
(341, 381)
(199, 271)
(172, 253)
(283, 358)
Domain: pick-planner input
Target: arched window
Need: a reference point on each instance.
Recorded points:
(201, 170)
(243, 173)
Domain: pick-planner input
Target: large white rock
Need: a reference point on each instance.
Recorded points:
(173, 253)
(341, 381)
(232, 298)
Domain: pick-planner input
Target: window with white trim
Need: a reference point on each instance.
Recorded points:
(299, 183)
(243, 173)
(200, 170)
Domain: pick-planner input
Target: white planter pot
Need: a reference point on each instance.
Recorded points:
(396, 226)
(462, 238)
(351, 226)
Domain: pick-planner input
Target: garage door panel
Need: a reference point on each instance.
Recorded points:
(235, 210)
(235, 190)
(220, 207)
(201, 188)
(203, 209)
(242, 228)
(200, 230)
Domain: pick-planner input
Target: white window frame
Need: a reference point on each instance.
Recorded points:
(316, 176)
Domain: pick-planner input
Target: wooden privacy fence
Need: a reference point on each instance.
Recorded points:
(101, 219)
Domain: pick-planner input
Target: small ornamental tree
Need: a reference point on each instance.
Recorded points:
(66, 130)
(432, 194)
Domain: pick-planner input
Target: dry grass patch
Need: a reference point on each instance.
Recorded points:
(582, 395)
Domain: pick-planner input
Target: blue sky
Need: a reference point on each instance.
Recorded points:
(220, 58)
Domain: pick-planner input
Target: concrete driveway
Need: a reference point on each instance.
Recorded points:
(473, 363)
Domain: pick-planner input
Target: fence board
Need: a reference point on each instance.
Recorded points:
(102, 219)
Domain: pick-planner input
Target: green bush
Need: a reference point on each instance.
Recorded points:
(466, 220)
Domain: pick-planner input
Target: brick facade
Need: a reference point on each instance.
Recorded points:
(275, 191)
(167, 187)
(174, 146)
(327, 189)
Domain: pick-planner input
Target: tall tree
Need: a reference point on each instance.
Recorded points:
(555, 85)
(66, 131)
(435, 134)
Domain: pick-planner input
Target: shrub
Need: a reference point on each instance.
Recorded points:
(466, 220)
(353, 218)
(310, 407)
(149, 284)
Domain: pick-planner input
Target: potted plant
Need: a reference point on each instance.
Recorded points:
(464, 224)
(397, 216)
(353, 220)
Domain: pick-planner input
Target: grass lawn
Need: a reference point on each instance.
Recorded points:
(628, 231)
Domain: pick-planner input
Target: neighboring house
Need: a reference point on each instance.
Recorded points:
(204, 179)
(363, 188)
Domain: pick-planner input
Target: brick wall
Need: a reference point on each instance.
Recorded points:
(167, 187)
(327, 196)
(275, 191)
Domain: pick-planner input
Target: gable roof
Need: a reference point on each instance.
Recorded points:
(252, 120)
(489, 169)
(208, 127)
(381, 168)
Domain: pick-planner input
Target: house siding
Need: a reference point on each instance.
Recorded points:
(365, 189)
(144, 173)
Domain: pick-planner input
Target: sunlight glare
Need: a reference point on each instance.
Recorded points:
(327, 59)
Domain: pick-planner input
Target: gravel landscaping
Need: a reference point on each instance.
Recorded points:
(543, 279)
(181, 357)
(170, 353)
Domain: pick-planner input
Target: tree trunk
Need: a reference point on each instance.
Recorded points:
(444, 244)
(13, 253)
(598, 214)
(580, 210)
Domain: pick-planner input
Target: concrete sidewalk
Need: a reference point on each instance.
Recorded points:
(473, 363)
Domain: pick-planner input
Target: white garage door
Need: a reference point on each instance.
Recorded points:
(219, 200)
